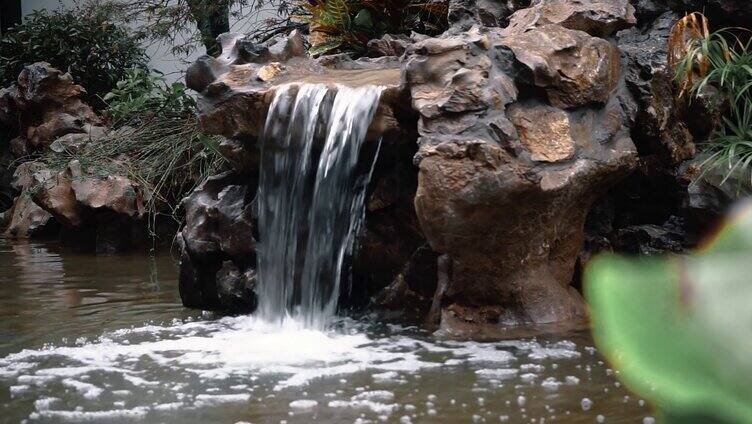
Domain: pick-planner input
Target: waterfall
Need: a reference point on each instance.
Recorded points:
(308, 212)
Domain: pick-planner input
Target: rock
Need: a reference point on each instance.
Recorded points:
(496, 13)
(218, 248)
(388, 45)
(462, 14)
(106, 212)
(75, 142)
(711, 191)
(268, 72)
(48, 105)
(71, 195)
(412, 291)
(23, 177)
(574, 68)
(510, 221)
(235, 291)
(599, 18)
(201, 73)
(27, 219)
(649, 239)
(44, 105)
(544, 132)
(514, 133)
(659, 125)
(55, 194)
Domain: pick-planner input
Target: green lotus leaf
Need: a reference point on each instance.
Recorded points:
(679, 328)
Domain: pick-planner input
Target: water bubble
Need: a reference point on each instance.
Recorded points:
(600, 418)
(521, 400)
(586, 404)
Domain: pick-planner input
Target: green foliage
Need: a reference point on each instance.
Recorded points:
(158, 142)
(81, 41)
(348, 25)
(678, 328)
(143, 94)
(709, 59)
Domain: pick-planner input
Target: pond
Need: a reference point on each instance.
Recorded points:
(104, 338)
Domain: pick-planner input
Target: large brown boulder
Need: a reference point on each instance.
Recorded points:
(218, 250)
(599, 18)
(505, 184)
(512, 134)
(45, 104)
(25, 218)
(106, 211)
(573, 67)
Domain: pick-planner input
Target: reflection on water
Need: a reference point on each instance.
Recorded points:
(48, 294)
(104, 338)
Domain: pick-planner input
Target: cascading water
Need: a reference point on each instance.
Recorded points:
(308, 216)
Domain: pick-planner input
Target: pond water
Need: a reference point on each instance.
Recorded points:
(104, 338)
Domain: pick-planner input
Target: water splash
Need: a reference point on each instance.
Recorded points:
(308, 218)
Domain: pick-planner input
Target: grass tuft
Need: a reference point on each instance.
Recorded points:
(720, 59)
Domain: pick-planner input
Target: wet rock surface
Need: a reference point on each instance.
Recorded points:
(218, 248)
(525, 139)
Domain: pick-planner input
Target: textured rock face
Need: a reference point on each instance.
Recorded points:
(46, 109)
(574, 68)
(511, 154)
(45, 104)
(519, 130)
(105, 212)
(218, 248)
(659, 120)
(25, 218)
(600, 18)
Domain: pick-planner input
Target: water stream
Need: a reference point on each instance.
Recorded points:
(308, 215)
(103, 338)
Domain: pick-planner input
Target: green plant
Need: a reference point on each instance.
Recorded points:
(702, 59)
(167, 157)
(157, 143)
(679, 329)
(82, 41)
(142, 94)
(348, 25)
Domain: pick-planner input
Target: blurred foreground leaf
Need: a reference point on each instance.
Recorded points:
(679, 329)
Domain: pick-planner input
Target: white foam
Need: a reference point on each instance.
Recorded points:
(45, 403)
(497, 373)
(89, 391)
(380, 395)
(171, 406)
(303, 404)
(376, 407)
(213, 362)
(206, 400)
(137, 413)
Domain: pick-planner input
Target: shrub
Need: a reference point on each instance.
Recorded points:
(143, 94)
(722, 60)
(348, 25)
(157, 143)
(82, 41)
